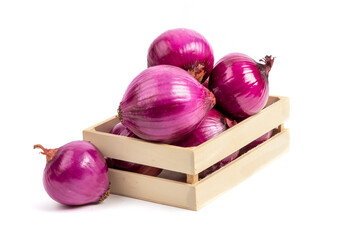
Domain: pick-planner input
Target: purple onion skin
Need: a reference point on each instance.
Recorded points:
(77, 174)
(256, 142)
(122, 165)
(183, 48)
(213, 124)
(219, 165)
(206, 83)
(120, 129)
(240, 85)
(164, 103)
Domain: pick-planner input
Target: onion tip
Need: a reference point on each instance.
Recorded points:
(120, 113)
(269, 61)
(49, 153)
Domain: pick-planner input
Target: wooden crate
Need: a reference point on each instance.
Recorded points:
(178, 185)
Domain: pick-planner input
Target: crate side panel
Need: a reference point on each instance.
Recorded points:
(271, 100)
(152, 189)
(107, 125)
(242, 168)
(241, 134)
(134, 150)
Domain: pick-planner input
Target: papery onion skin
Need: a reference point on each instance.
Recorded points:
(120, 129)
(213, 124)
(76, 174)
(240, 85)
(164, 103)
(184, 48)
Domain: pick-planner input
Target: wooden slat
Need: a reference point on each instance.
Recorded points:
(240, 169)
(153, 189)
(195, 196)
(107, 125)
(241, 134)
(138, 151)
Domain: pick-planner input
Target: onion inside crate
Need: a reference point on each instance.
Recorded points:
(182, 162)
(181, 177)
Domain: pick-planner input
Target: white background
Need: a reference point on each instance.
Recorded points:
(64, 66)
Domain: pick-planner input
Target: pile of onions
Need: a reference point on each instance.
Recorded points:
(75, 174)
(169, 102)
(183, 48)
(120, 129)
(164, 103)
(240, 85)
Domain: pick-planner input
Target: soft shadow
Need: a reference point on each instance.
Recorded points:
(53, 206)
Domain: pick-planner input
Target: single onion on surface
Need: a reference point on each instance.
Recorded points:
(120, 129)
(75, 174)
(183, 48)
(213, 124)
(164, 103)
(256, 142)
(240, 85)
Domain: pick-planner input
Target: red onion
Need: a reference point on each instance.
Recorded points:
(240, 85)
(256, 142)
(183, 48)
(206, 83)
(120, 129)
(213, 124)
(75, 174)
(164, 103)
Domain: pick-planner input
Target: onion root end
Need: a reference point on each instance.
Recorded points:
(269, 61)
(120, 113)
(198, 72)
(106, 195)
(49, 153)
